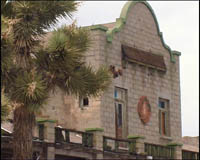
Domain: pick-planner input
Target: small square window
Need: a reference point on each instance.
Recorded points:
(85, 101)
(119, 93)
(161, 104)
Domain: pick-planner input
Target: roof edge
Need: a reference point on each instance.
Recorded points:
(121, 21)
(123, 18)
(177, 53)
(98, 27)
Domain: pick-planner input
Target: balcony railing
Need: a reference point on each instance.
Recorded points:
(190, 155)
(119, 145)
(63, 135)
(159, 151)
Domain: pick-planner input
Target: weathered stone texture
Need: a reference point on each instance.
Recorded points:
(140, 31)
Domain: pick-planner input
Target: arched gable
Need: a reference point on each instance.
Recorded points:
(121, 21)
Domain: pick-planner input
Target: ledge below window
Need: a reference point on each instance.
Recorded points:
(84, 108)
(166, 138)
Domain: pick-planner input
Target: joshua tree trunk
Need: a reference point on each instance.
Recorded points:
(24, 122)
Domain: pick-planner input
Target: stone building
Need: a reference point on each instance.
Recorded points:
(143, 65)
(143, 100)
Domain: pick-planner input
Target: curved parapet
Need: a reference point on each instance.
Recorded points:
(121, 21)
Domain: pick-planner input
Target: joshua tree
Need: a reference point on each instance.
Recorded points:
(5, 106)
(30, 70)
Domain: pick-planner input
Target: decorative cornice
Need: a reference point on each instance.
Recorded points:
(45, 120)
(98, 27)
(135, 137)
(94, 129)
(121, 21)
(177, 53)
(174, 144)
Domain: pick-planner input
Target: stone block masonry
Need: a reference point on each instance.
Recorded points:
(138, 28)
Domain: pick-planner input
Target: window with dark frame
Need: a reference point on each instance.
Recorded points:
(163, 106)
(119, 115)
(41, 131)
(120, 102)
(84, 102)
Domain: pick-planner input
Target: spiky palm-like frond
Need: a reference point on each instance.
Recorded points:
(29, 91)
(6, 58)
(59, 58)
(7, 9)
(62, 60)
(87, 82)
(30, 70)
(5, 106)
(30, 19)
(7, 54)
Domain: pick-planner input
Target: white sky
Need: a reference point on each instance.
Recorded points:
(179, 22)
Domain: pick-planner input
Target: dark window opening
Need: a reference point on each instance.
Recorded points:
(161, 104)
(115, 94)
(41, 131)
(119, 115)
(85, 101)
(163, 124)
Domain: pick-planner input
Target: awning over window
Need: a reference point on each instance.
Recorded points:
(144, 58)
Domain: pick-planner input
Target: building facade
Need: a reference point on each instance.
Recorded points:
(143, 99)
(142, 66)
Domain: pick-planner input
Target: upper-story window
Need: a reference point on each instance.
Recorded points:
(119, 94)
(84, 102)
(163, 106)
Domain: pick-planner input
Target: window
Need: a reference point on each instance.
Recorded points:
(120, 112)
(41, 131)
(119, 94)
(163, 106)
(189, 155)
(84, 102)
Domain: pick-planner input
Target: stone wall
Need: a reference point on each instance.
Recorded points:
(190, 143)
(66, 109)
(191, 140)
(140, 31)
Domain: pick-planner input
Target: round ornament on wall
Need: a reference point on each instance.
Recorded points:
(144, 109)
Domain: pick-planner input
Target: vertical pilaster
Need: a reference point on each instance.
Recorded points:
(139, 143)
(177, 150)
(49, 137)
(97, 140)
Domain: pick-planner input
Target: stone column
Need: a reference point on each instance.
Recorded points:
(139, 144)
(97, 139)
(49, 136)
(177, 150)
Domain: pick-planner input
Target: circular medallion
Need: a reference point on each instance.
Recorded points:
(144, 109)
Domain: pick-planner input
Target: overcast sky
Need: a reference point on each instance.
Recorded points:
(179, 22)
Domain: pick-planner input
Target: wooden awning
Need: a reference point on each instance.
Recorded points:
(144, 58)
